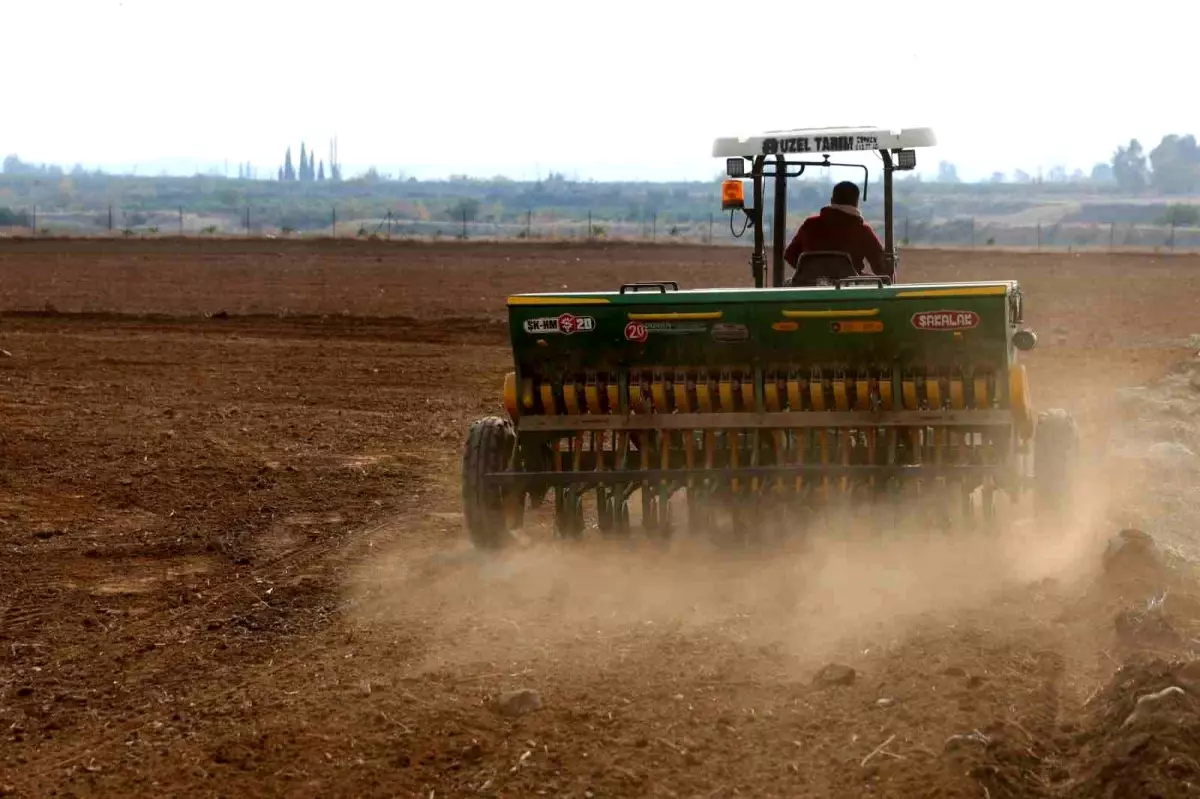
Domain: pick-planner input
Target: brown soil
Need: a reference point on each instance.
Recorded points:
(233, 564)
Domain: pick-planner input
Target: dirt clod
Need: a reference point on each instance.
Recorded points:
(1157, 703)
(1146, 629)
(1132, 552)
(518, 702)
(1189, 677)
(835, 674)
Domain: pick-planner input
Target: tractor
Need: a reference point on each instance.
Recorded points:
(831, 389)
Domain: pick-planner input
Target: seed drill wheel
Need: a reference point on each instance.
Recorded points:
(490, 445)
(1055, 450)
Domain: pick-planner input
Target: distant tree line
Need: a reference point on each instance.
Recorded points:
(1173, 168)
(109, 202)
(1114, 193)
(15, 166)
(309, 170)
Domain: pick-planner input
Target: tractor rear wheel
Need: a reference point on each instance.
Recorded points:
(490, 444)
(1055, 450)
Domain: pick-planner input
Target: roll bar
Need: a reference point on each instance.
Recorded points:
(779, 168)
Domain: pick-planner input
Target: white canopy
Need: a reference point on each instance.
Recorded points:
(823, 140)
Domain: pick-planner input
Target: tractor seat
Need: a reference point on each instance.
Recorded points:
(822, 268)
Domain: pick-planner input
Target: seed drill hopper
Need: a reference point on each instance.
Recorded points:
(771, 402)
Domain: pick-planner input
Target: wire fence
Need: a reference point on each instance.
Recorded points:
(534, 225)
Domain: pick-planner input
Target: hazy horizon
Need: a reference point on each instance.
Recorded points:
(607, 91)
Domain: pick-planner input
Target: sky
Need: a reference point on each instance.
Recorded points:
(604, 90)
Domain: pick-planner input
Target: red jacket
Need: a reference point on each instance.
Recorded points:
(840, 232)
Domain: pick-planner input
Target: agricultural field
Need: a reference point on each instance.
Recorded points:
(232, 556)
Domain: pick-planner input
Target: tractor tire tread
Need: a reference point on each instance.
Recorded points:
(1055, 450)
(489, 448)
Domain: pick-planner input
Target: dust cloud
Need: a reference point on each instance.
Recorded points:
(834, 588)
(840, 586)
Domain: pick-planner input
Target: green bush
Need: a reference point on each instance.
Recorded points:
(1181, 215)
(11, 218)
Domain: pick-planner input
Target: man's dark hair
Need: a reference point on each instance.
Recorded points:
(845, 193)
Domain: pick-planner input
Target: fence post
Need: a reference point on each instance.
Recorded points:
(529, 224)
(710, 228)
(247, 220)
(334, 222)
(181, 220)
(34, 230)
(589, 230)
(1172, 238)
(654, 227)
(1039, 236)
(972, 233)
(389, 221)
(1112, 229)
(464, 214)
(110, 218)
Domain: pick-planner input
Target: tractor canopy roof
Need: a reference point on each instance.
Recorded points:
(823, 140)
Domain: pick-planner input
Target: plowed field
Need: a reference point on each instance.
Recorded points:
(232, 560)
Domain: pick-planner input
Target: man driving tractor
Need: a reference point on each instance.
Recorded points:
(840, 227)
